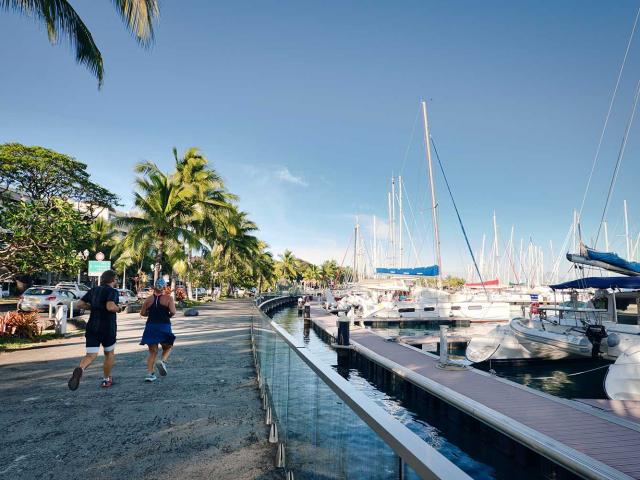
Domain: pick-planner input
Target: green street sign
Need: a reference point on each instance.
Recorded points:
(96, 268)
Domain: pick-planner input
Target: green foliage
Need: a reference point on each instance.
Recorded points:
(37, 237)
(59, 18)
(44, 175)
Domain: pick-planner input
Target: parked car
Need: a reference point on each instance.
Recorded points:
(36, 299)
(199, 292)
(126, 297)
(145, 292)
(78, 289)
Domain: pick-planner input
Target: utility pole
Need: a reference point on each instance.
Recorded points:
(434, 205)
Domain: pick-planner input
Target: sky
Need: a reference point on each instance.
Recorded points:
(308, 108)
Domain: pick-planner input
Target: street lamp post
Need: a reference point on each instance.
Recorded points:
(82, 256)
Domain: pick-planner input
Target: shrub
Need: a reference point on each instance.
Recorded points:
(21, 324)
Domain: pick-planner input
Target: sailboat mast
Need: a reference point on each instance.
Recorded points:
(375, 246)
(482, 257)
(496, 252)
(434, 211)
(606, 236)
(394, 256)
(355, 252)
(626, 230)
(401, 220)
(390, 247)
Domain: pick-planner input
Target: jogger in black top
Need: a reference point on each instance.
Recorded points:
(101, 328)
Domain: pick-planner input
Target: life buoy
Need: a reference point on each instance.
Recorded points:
(534, 308)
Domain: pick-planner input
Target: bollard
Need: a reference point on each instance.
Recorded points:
(61, 320)
(343, 331)
(50, 310)
(444, 348)
(71, 310)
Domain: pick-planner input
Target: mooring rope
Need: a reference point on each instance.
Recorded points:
(493, 372)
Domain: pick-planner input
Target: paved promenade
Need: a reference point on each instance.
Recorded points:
(201, 421)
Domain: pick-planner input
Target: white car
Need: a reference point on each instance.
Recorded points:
(126, 297)
(78, 289)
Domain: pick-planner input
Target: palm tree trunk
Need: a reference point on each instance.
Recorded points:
(158, 265)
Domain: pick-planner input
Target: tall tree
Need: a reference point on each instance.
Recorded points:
(59, 18)
(44, 175)
(166, 211)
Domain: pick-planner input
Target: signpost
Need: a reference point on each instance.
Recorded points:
(96, 268)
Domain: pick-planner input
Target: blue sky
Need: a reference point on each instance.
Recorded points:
(307, 108)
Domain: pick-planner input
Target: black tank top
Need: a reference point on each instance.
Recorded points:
(158, 313)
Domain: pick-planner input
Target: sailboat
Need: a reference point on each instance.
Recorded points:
(428, 303)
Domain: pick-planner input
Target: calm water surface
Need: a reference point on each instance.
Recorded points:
(466, 450)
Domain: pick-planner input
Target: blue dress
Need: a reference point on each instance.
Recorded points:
(158, 327)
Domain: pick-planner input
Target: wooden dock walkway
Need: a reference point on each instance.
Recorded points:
(581, 436)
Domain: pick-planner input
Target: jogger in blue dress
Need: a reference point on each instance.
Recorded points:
(158, 308)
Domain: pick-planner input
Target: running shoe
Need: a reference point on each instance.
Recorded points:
(106, 382)
(74, 381)
(150, 377)
(162, 368)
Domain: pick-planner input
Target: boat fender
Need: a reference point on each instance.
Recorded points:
(613, 340)
(534, 308)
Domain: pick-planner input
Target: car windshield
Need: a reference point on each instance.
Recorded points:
(38, 291)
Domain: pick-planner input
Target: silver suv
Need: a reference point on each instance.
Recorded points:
(38, 299)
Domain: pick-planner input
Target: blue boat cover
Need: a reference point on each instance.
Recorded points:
(612, 259)
(600, 282)
(431, 271)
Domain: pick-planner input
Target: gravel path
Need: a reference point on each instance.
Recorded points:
(201, 421)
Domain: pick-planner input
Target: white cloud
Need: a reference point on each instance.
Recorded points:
(286, 176)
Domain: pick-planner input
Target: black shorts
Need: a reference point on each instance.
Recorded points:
(96, 337)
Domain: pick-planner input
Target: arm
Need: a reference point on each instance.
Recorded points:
(112, 307)
(81, 304)
(112, 301)
(172, 307)
(144, 311)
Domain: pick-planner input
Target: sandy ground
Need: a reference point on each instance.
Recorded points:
(201, 421)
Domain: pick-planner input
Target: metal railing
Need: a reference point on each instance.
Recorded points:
(323, 426)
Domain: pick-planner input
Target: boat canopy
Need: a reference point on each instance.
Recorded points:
(600, 282)
(431, 271)
(486, 283)
(607, 260)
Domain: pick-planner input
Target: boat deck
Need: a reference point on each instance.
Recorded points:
(590, 439)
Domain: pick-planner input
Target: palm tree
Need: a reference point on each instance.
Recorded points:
(288, 266)
(236, 246)
(59, 17)
(312, 274)
(102, 236)
(328, 271)
(166, 211)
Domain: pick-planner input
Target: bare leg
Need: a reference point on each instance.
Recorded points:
(151, 359)
(87, 359)
(166, 351)
(109, 360)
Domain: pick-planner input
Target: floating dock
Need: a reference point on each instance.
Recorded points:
(591, 438)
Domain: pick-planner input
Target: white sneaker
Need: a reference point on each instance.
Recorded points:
(162, 368)
(151, 377)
